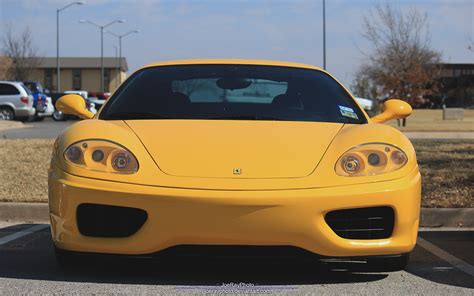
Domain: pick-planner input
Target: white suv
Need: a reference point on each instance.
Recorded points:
(16, 101)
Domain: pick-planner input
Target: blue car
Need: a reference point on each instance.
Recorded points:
(39, 98)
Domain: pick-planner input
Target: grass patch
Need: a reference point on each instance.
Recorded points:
(447, 169)
(432, 120)
(23, 174)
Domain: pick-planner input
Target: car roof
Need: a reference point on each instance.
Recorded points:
(233, 62)
(10, 82)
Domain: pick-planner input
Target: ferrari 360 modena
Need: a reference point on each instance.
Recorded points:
(234, 153)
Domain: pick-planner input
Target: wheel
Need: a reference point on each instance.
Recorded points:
(59, 116)
(37, 117)
(6, 113)
(389, 263)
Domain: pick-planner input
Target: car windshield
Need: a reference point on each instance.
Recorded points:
(236, 92)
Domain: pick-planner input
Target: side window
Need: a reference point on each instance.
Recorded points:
(8, 89)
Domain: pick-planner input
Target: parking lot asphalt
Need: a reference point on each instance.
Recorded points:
(46, 129)
(441, 265)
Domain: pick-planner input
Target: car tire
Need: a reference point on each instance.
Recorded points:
(37, 117)
(6, 113)
(59, 116)
(392, 263)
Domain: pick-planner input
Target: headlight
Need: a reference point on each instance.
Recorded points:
(370, 159)
(101, 155)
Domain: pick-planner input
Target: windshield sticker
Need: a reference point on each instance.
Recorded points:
(348, 112)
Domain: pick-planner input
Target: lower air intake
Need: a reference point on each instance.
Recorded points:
(109, 221)
(362, 223)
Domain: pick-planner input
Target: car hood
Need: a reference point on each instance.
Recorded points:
(235, 149)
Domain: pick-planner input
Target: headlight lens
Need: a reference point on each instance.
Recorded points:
(101, 155)
(370, 159)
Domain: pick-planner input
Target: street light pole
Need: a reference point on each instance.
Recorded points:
(102, 27)
(120, 46)
(324, 34)
(116, 65)
(58, 65)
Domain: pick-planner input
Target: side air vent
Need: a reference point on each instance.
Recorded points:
(109, 221)
(362, 223)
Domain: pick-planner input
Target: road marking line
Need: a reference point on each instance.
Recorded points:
(454, 261)
(16, 235)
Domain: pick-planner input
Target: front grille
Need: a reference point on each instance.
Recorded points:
(109, 221)
(363, 223)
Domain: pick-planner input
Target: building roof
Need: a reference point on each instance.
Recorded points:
(457, 65)
(81, 62)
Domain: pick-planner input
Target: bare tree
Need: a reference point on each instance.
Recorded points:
(4, 67)
(21, 51)
(362, 85)
(470, 45)
(402, 63)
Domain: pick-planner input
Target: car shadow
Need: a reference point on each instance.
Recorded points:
(32, 257)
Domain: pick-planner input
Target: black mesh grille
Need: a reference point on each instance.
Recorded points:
(363, 223)
(109, 221)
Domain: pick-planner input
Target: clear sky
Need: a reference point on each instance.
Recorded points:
(281, 30)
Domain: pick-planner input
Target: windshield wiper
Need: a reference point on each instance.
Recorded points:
(247, 117)
(133, 115)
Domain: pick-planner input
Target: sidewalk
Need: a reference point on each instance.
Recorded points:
(439, 135)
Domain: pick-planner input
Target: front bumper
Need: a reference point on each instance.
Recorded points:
(48, 111)
(24, 111)
(215, 217)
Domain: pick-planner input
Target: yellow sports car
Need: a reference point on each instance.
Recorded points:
(234, 153)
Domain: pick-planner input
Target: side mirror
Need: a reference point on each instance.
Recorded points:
(393, 109)
(75, 105)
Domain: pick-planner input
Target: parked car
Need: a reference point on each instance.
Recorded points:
(367, 104)
(39, 99)
(234, 152)
(100, 95)
(82, 93)
(16, 101)
(97, 102)
(48, 111)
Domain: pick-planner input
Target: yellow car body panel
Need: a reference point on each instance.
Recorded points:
(218, 217)
(197, 198)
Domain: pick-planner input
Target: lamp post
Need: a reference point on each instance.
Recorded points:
(324, 34)
(101, 27)
(120, 46)
(58, 66)
(116, 65)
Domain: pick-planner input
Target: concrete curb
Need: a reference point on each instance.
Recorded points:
(429, 217)
(458, 217)
(24, 212)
